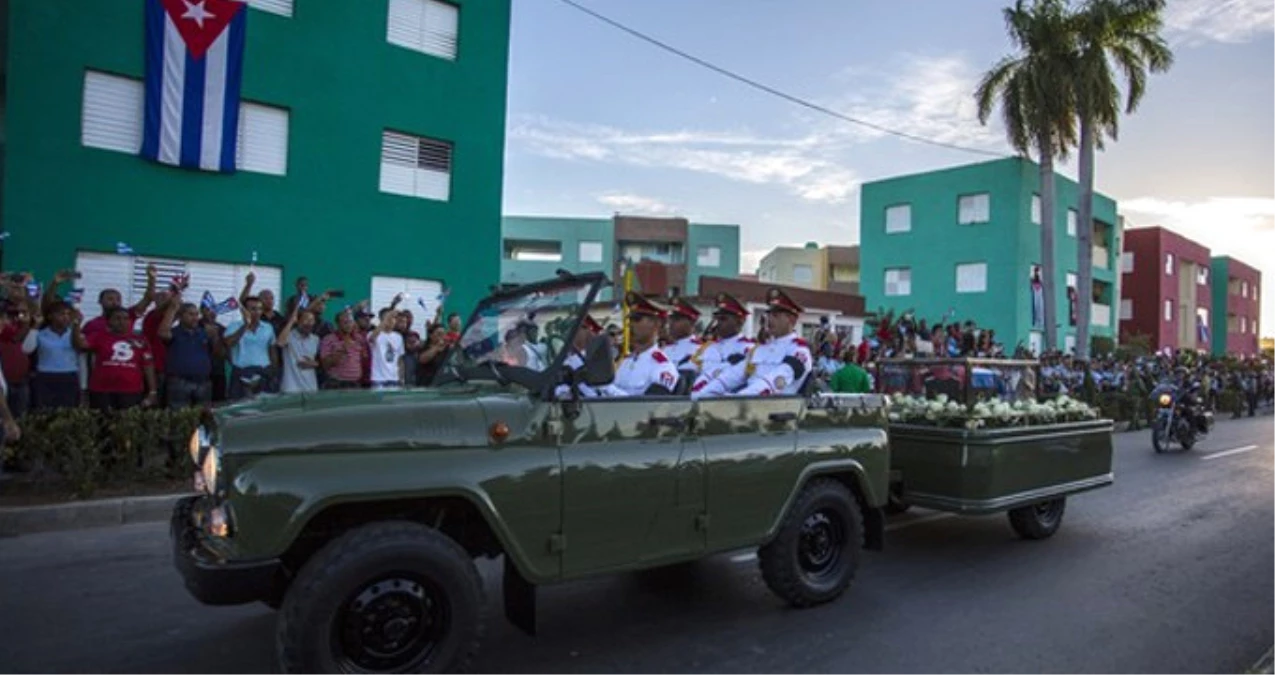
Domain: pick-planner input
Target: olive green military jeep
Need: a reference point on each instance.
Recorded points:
(359, 514)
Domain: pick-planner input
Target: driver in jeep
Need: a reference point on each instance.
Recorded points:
(779, 367)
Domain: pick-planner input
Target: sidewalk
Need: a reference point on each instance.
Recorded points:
(95, 513)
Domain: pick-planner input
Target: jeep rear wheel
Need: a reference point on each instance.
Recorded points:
(387, 597)
(814, 557)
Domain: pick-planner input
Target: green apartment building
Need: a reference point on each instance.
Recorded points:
(369, 153)
(669, 255)
(962, 244)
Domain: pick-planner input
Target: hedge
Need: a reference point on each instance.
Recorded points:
(85, 449)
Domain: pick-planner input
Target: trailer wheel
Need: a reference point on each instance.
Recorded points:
(1038, 521)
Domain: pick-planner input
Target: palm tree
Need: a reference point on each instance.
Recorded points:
(1111, 36)
(1037, 101)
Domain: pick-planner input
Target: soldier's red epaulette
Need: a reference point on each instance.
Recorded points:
(747, 339)
(801, 342)
(696, 341)
(659, 356)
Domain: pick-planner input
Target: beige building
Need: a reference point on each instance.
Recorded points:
(827, 268)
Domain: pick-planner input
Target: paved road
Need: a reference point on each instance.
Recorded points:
(1170, 570)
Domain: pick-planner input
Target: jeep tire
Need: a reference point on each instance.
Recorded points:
(386, 597)
(815, 554)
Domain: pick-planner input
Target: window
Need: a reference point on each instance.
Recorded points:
(427, 26)
(111, 119)
(416, 167)
(1243, 289)
(1069, 344)
(974, 209)
(1168, 310)
(127, 274)
(280, 7)
(1168, 264)
(533, 250)
(421, 297)
(263, 139)
(709, 256)
(1071, 280)
(1126, 262)
(1202, 316)
(590, 251)
(1126, 309)
(1202, 276)
(971, 278)
(803, 274)
(898, 281)
(1036, 218)
(1071, 222)
(898, 218)
(1243, 324)
(1253, 327)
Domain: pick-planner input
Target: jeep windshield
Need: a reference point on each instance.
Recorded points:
(518, 335)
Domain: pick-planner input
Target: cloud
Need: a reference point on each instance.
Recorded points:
(637, 204)
(797, 164)
(1224, 215)
(1232, 21)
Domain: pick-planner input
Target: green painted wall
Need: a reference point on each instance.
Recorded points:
(725, 237)
(1009, 244)
(1219, 276)
(331, 66)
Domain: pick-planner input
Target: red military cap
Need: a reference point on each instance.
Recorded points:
(778, 301)
(639, 305)
(727, 304)
(590, 324)
(683, 308)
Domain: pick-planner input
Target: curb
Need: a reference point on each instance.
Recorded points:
(78, 515)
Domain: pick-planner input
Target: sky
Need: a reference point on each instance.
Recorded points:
(600, 122)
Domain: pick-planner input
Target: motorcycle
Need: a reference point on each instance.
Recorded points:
(1180, 417)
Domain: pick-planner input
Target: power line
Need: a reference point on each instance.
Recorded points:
(771, 90)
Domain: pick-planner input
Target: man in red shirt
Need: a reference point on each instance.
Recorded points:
(110, 299)
(150, 331)
(123, 373)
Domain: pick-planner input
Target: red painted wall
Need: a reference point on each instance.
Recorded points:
(1148, 285)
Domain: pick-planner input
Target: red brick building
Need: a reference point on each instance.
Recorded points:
(1166, 289)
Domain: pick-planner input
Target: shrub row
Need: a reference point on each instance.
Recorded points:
(84, 449)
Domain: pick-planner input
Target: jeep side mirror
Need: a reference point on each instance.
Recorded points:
(598, 368)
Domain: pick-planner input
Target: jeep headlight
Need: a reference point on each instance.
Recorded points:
(198, 441)
(209, 470)
(204, 456)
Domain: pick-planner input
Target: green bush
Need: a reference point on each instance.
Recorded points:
(1100, 345)
(84, 449)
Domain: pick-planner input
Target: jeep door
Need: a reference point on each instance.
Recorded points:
(750, 446)
(633, 491)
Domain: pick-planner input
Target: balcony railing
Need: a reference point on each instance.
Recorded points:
(1100, 315)
(1101, 258)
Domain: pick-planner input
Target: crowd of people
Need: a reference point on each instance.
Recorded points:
(166, 350)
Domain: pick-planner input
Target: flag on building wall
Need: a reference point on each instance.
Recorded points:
(194, 64)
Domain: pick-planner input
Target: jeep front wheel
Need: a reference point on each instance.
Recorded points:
(814, 557)
(387, 597)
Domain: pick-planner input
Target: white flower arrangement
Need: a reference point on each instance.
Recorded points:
(989, 414)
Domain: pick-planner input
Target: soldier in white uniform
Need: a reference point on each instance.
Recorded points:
(777, 368)
(683, 344)
(646, 371)
(730, 346)
(589, 328)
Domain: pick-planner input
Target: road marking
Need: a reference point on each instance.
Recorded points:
(918, 521)
(1224, 453)
(744, 557)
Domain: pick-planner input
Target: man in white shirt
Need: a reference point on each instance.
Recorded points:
(646, 371)
(299, 351)
(386, 346)
(589, 328)
(777, 368)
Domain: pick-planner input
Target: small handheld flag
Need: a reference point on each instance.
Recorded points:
(208, 301)
(304, 301)
(123, 249)
(75, 295)
(4, 235)
(34, 288)
(228, 305)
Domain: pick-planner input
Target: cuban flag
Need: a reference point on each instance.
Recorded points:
(194, 67)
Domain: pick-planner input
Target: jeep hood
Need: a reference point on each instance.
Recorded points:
(440, 417)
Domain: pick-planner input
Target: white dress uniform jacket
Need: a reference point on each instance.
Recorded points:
(716, 358)
(641, 370)
(682, 353)
(776, 368)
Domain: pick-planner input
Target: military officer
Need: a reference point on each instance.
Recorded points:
(683, 344)
(575, 358)
(646, 371)
(776, 368)
(730, 347)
